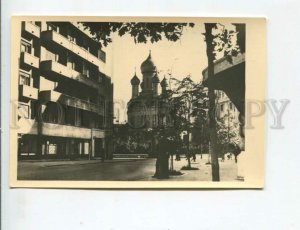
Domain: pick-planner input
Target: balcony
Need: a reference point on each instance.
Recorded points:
(50, 95)
(31, 29)
(223, 64)
(50, 129)
(58, 130)
(62, 70)
(28, 92)
(30, 60)
(53, 36)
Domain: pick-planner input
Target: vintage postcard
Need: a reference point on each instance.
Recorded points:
(137, 102)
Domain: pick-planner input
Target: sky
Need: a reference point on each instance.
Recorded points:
(187, 56)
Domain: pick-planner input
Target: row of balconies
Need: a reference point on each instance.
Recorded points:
(57, 68)
(53, 36)
(52, 66)
(53, 96)
(32, 61)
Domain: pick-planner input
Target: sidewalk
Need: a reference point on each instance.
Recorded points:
(228, 170)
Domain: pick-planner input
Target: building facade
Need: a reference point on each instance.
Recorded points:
(225, 109)
(64, 99)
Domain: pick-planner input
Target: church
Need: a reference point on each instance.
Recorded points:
(148, 108)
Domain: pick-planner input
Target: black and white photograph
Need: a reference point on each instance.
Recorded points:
(136, 102)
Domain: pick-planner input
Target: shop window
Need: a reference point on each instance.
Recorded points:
(52, 149)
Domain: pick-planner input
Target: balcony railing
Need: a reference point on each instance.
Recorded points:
(223, 64)
(52, 35)
(51, 129)
(67, 72)
(30, 59)
(50, 95)
(31, 29)
(28, 92)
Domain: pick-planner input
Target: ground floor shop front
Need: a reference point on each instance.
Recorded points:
(54, 147)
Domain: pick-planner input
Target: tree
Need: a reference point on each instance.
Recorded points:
(188, 101)
(228, 136)
(200, 132)
(172, 31)
(216, 43)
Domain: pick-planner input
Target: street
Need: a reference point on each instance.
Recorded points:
(119, 170)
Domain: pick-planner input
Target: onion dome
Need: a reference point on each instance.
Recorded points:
(155, 79)
(148, 65)
(164, 82)
(135, 80)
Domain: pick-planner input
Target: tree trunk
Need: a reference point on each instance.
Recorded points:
(172, 163)
(211, 97)
(188, 150)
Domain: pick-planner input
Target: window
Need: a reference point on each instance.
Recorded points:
(230, 105)
(25, 46)
(56, 57)
(100, 79)
(85, 44)
(85, 70)
(222, 108)
(24, 78)
(71, 36)
(72, 39)
(23, 110)
(38, 23)
(52, 149)
(102, 55)
(51, 26)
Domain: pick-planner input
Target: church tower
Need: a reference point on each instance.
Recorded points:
(155, 82)
(164, 85)
(135, 81)
(148, 70)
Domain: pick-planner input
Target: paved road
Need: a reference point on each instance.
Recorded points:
(118, 170)
(87, 170)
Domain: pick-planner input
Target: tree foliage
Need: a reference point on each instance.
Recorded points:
(189, 102)
(226, 41)
(141, 32)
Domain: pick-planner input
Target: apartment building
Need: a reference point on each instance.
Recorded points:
(225, 109)
(64, 101)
